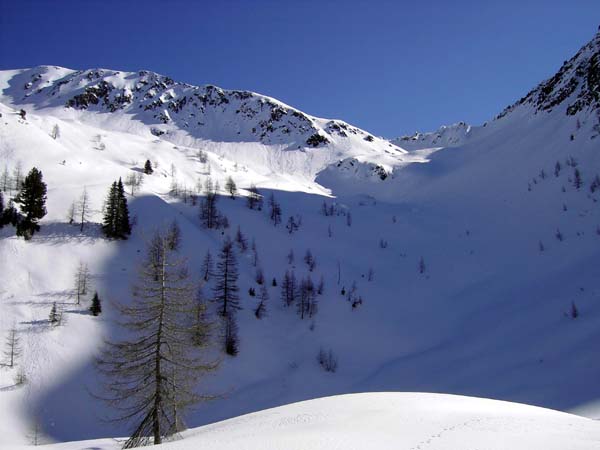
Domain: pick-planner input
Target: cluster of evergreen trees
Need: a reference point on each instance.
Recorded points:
(116, 222)
(31, 198)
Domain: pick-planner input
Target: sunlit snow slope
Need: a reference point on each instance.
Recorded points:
(385, 421)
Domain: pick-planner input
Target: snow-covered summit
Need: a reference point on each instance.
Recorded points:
(207, 112)
(446, 136)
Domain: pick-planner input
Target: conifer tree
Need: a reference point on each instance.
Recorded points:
(577, 179)
(289, 288)
(10, 215)
(202, 324)
(13, 347)
(574, 311)
(421, 265)
(5, 180)
(148, 168)
(254, 253)
(307, 303)
(54, 316)
(151, 378)
(96, 308)
(226, 288)
(82, 281)
(321, 286)
(116, 213)
(209, 214)
(32, 198)
(83, 209)
(124, 226)
(241, 240)
(231, 187)
(310, 260)
(274, 210)
(174, 236)
(207, 266)
(263, 297)
(260, 276)
(254, 199)
(231, 335)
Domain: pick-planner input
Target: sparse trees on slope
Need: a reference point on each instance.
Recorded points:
(151, 377)
(32, 198)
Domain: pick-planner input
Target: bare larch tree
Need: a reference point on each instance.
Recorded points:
(152, 375)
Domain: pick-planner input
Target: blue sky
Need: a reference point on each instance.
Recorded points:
(391, 67)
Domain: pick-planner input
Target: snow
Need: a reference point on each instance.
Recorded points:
(488, 318)
(387, 420)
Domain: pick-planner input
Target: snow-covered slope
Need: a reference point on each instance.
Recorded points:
(508, 247)
(386, 421)
(145, 103)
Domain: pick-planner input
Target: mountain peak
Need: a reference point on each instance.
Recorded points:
(575, 87)
(168, 106)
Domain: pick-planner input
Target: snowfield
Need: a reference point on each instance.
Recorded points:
(474, 254)
(387, 420)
